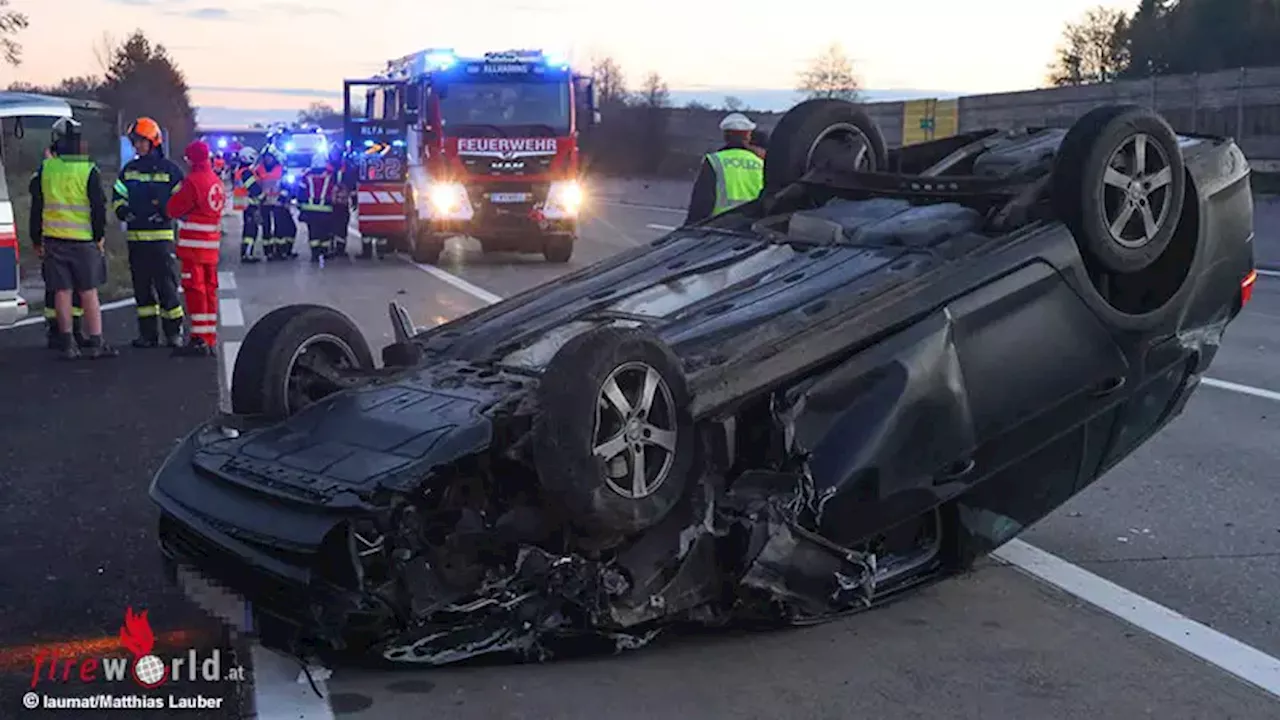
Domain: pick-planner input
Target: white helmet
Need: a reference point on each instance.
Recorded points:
(248, 155)
(738, 122)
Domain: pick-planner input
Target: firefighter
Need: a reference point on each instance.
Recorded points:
(68, 227)
(198, 205)
(248, 193)
(272, 210)
(139, 199)
(344, 190)
(315, 203)
(729, 177)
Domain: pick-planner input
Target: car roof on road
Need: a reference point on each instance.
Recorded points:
(14, 104)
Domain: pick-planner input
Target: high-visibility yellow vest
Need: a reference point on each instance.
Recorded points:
(64, 183)
(739, 177)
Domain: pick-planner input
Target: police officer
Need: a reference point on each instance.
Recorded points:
(729, 177)
(139, 199)
(68, 227)
(52, 340)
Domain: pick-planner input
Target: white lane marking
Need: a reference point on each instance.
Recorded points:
(127, 302)
(1242, 389)
(226, 280)
(459, 283)
(1269, 273)
(666, 228)
(1229, 654)
(230, 350)
(642, 207)
(229, 312)
(280, 694)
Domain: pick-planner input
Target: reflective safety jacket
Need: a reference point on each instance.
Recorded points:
(270, 181)
(245, 190)
(739, 178)
(140, 194)
(317, 193)
(67, 200)
(198, 207)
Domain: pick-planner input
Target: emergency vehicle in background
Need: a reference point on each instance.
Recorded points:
(295, 148)
(486, 147)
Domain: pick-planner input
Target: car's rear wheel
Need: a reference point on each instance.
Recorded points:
(293, 357)
(614, 443)
(822, 133)
(558, 249)
(1119, 183)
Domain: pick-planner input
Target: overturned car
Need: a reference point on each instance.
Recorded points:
(889, 364)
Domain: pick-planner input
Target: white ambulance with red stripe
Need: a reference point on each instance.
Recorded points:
(484, 147)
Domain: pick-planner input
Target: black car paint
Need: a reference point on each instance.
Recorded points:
(866, 349)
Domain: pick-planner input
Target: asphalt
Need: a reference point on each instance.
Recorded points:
(77, 532)
(1189, 521)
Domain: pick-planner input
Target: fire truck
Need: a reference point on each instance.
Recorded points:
(485, 147)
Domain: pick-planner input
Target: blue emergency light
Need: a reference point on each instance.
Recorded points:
(222, 143)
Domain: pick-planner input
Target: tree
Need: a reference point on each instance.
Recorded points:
(829, 75)
(86, 87)
(610, 82)
(654, 92)
(733, 103)
(11, 23)
(696, 105)
(1093, 50)
(321, 115)
(144, 80)
(1147, 38)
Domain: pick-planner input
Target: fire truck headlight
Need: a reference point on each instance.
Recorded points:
(566, 195)
(446, 197)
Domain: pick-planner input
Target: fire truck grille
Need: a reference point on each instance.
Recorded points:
(514, 167)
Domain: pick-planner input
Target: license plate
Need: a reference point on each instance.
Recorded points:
(216, 600)
(508, 197)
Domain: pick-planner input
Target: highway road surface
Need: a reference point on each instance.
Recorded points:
(1152, 594)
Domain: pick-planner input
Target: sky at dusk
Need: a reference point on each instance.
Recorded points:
(265, 59)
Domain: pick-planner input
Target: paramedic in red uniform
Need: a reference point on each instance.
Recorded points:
(198, 205)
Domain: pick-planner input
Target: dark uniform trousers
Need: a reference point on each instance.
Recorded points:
(155, 288)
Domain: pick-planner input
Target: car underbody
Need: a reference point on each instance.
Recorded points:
(793, 412)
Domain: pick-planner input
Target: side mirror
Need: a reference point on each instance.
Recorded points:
(18, 130)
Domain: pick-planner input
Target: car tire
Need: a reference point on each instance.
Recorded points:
(574, 423)
(558, 249)
(809, 134)
(427, 248)
(268, 380)
(1088, 198)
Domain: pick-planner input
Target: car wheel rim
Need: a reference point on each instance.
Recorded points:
(1136, 197)
(313, 371)
(839, 142)
(635, 430)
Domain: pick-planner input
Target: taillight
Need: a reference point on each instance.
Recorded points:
(9, 240)
(1246, 287)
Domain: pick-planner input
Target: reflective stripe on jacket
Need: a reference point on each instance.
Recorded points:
(198, 205)
(146, 183)
(318, 193)
(270, 181)
(64, 185)
(739, 177)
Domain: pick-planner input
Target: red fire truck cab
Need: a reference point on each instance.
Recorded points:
(485, 147)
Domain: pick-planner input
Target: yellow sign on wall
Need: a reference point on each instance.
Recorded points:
(929, 119)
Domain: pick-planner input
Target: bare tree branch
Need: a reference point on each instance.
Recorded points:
(1093, 50)
(829, 75)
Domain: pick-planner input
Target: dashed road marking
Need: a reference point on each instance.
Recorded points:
(230, 350)
(459, 283)
(229, 312)
(226, 280)
(1242, 389)
(665, 228)
(1269, 273)
(1245, 662)
(280, 692)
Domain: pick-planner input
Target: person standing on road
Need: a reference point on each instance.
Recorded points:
(245, 187)
(273, 210)
(68, 227)
(51, 313)
(315, 206)
(729, 177)
(344, 190)
(198, 205)
(139, 198)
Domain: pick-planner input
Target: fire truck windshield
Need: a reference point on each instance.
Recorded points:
(534, 108)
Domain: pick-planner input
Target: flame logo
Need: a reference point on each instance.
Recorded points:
(135, 634)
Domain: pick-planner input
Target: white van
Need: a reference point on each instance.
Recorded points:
(13, 108)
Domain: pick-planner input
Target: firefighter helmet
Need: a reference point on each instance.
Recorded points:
(248, 155)
(144, 128)
(66, 135)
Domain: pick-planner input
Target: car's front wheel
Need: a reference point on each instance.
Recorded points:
(293, 357)
(614, 443)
